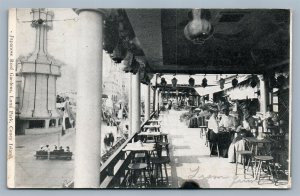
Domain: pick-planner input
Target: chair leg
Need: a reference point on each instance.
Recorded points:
(145, 178)
(218, 150)
(236, 164)
(244, 168)
(167, 179)
(250, 162)
(259, 171)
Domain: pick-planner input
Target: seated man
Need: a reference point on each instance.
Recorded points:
(227, 122)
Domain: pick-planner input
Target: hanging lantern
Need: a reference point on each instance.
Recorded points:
(163, 82)
(204, 83)
(111, 35)
(234, 82)
(272, 81)
(191, 81)
(222, 82)
(253, 82)
(199, 29)
(119, 53)
(174, 82)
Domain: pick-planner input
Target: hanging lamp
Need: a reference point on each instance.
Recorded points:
(222, 82)
(191, 81)
(174, 82)
(204, 82)
(234, 82)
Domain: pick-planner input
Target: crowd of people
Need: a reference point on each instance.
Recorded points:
(225, 129)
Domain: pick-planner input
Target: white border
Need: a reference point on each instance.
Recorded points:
(11, 98)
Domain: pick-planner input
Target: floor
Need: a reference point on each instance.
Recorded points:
(190, 160)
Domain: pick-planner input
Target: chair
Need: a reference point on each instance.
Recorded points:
(267, 160)
(137, 175)
(246, 155)
(159, 161)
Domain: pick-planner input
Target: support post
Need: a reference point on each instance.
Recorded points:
(264, 98)
(136, 102)
(147, 103)
(130, 106)
(89, 94)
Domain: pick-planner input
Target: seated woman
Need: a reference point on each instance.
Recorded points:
(237, 144)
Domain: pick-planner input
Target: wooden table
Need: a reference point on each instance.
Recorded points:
(154, 127)
(154, 134)
(254, 141)
(139, 147)
(155, 121)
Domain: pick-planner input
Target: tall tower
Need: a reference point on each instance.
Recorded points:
(38, 72)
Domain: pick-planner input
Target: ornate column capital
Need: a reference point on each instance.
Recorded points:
(104, 12)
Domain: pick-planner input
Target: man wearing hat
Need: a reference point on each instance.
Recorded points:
(227, 122)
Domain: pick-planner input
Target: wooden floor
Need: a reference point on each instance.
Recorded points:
(190, 160)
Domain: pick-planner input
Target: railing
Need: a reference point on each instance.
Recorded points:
(114, 171)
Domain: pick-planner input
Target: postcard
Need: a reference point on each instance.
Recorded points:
(149, 98)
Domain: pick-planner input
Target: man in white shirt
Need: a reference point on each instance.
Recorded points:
(227, 122)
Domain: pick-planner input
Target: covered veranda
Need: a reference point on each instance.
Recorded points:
(151, 43)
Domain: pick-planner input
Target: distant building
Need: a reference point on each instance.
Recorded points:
(116, 84)
(36, 110)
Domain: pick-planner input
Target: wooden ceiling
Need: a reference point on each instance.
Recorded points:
(244, 40)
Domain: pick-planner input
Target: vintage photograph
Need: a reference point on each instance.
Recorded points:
(149, 98)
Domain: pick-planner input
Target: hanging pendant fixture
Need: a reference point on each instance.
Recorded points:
(253, 81)
(174, 82)
(163, 82)
(222, 82)
(204, 82)
(234, 82)
(199, 29)
(191, 81)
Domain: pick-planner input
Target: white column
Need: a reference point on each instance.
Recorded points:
(264, 100)
(89, 77)
(156, 99)
(136, 102)
(130, 106)
(147, 102)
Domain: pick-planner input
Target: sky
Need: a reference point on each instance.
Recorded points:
(62, 43)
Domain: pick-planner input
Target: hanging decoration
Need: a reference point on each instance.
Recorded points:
(204, 83)
(191, 81)
(119, 53)
(163, 82)
(177, 92)
(199, 28)
(174, 82)
(253, 81)
(222, 82)
(272, 81)
(234, 82)
(111, 35)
